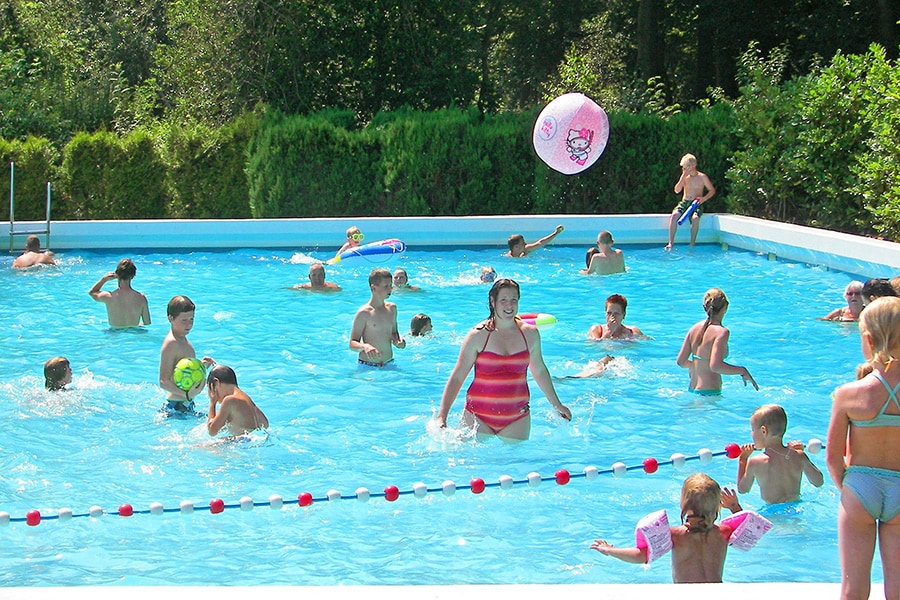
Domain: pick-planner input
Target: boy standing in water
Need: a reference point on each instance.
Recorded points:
(779, 468)
(375, 329)
(176, 346)
(693, 185)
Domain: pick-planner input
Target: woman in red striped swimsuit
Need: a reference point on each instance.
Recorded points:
(501, 349)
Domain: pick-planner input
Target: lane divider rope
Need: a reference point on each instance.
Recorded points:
(392, 493)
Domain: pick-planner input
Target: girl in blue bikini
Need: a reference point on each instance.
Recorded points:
(865, 416)
(705, 348)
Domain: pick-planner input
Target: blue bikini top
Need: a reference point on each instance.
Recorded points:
(883, 420)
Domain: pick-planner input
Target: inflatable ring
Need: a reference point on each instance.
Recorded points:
(542, 320)
(391, 246)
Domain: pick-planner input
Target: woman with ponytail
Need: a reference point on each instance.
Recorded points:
(865, 428)
(705, 348)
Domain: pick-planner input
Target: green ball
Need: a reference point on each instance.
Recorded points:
(188, 373)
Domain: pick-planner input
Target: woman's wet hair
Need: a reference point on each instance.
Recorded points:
(499, 284)
(714, 301)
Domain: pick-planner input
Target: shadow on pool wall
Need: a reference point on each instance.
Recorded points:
(858, 255)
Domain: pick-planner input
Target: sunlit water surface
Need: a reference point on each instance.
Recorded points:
(334, 427)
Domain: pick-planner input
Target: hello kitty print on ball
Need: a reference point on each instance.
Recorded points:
(571, 133)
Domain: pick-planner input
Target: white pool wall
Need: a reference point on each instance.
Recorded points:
(865, 257)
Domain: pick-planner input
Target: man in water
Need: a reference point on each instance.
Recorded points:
(33, 255)
(125, 307)
(606, 260)
(317, 281)
(518, 248)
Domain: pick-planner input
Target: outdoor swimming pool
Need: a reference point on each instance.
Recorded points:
(335, 427)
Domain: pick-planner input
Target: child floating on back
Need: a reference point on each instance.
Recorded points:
(779, 468)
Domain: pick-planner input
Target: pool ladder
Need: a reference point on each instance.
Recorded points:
(13, 232)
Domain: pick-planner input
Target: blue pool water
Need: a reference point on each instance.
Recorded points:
(334, 427)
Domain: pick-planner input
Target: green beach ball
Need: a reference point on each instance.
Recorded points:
(188, 373)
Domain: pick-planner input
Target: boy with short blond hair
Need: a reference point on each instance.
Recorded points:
(779, 468)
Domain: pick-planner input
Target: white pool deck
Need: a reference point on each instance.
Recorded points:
(861, 256)
(709, 591)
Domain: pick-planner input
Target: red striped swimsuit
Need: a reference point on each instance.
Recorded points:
(499, 393)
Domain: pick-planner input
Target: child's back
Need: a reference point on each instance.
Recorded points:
(779, 468)
(698, 556)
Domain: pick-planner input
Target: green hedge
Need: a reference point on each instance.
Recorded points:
(36, 163)
(107, 177)
(455, 162)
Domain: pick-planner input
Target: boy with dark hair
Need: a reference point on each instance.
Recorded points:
(180, 312)
(125, 307)
(374, 330)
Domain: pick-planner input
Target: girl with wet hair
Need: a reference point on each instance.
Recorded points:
(502, 349)
(705, 348)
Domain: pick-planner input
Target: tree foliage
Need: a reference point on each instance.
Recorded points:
(90, 65)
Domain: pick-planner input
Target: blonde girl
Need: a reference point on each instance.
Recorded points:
(863, 456)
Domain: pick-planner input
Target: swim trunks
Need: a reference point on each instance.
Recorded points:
(375, 365)
(877, 489)
(181, 408)
(684, 204)
(499, 394)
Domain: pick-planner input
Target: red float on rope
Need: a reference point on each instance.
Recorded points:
(562, 477)
(477, 485)
(305, 499)
(391, 493)
(33, 517)
(126, 510)
(732, 450)
(650, 465)
(216, 506)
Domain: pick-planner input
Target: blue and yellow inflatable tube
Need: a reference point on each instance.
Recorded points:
(391, 246)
